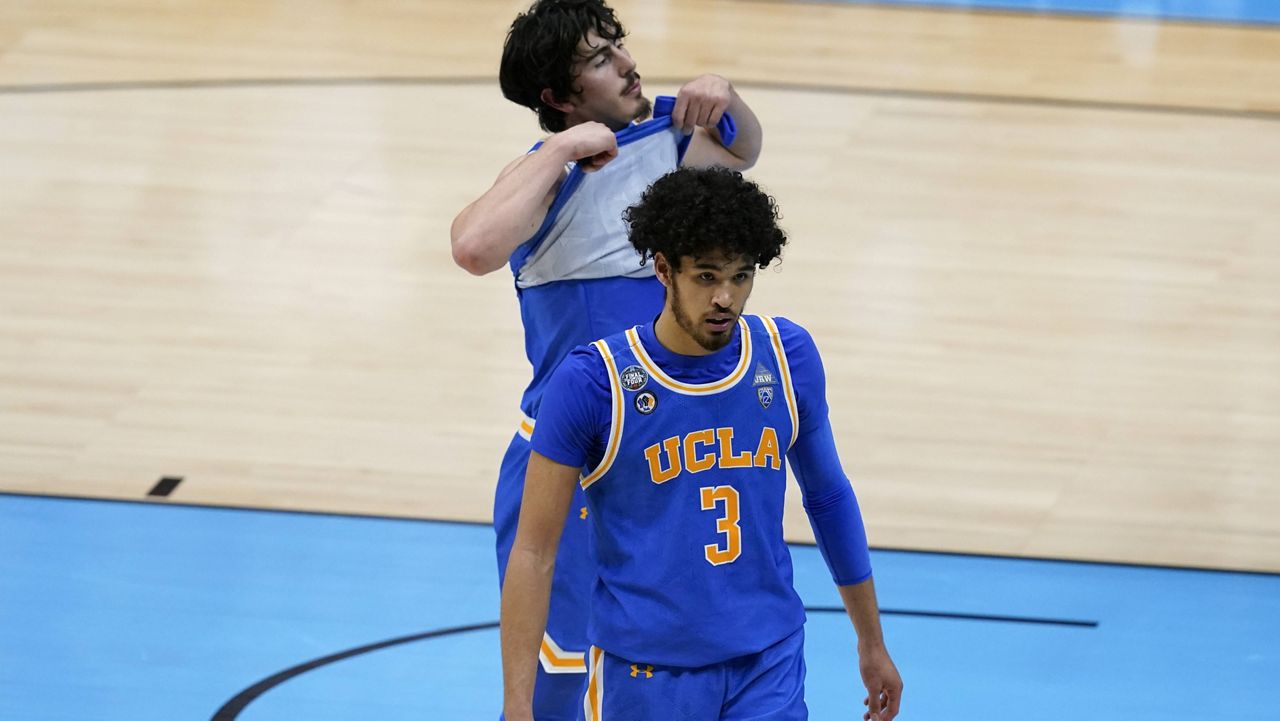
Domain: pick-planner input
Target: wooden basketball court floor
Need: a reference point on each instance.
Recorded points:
(1039, 252)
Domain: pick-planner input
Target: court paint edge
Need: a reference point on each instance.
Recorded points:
(489, 524)
(924, 95)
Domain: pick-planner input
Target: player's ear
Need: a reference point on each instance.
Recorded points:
(548, 98)
(662, 269)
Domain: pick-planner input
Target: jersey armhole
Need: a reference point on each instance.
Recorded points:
(784, 368)
(616, 417)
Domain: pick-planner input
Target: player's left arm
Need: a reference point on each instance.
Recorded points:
(837, 526)
(879, 674)
(837, 523)
(699, 106)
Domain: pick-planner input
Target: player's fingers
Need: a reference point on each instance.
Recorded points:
(717, 112)
(602, 158)
(691, 117)
(679, 111)
(598, 161)
(873, 708)
(895, 700)
(704, 115)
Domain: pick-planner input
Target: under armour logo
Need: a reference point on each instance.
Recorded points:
(637, 669)
(582, 513)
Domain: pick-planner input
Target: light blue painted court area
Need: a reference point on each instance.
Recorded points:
(122, 611)
(1245, 12)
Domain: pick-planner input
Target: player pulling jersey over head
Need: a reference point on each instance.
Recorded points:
(554, 215)
(677, 431)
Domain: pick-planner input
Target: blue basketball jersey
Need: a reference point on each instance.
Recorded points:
(687, 502)
(579, 278)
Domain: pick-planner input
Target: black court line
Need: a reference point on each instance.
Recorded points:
(489, 524)
(1052, 14)
(247, 509)
(1039, 621)
(827, 89)
(231, 709)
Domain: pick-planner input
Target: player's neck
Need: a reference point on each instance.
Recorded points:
(612, 124)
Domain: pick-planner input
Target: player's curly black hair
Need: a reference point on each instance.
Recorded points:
(541, 48)
(699, 211)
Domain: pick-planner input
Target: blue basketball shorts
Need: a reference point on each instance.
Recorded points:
(562, 668)
(764, 686)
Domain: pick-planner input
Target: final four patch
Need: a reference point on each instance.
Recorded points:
(764, 376)
(634, 378)
(765, 394)
(646, 402)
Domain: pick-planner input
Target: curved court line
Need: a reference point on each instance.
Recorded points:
(376, 81)
(231, 709)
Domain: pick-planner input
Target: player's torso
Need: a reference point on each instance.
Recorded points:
(579, 278)
(687, 504)
(583, 235)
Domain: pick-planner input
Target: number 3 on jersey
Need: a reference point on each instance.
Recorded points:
(726, 524)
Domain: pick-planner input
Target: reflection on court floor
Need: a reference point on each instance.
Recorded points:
(120, 610)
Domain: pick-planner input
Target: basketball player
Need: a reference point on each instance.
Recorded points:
(554, 216)
(677, 430)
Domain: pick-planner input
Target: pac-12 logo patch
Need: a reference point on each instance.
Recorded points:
(765, 394)
(646, 402)
(634, 378)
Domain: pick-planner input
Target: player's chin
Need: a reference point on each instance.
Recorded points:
(715, 339)
(642, 108)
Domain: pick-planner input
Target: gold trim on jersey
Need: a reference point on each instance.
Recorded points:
(615, 427)
(525, 430)
(557, 660)
(593, 700)
(693, 389)
(785, 369)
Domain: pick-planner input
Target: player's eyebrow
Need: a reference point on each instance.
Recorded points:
(605, 47)
(708, 265)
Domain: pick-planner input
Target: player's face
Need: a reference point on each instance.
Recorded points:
(705, 298)
(610, 86)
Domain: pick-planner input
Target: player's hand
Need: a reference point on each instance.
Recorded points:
(592, 144)
(522, 712)
(884, 685)
(701, 102)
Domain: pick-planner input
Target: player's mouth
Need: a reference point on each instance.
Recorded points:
(633, 90)
(721, 322)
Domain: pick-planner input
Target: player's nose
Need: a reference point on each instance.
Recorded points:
(626, 63)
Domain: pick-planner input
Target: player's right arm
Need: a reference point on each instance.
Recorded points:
(526, 590)
(487, 232)
(572, 419)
